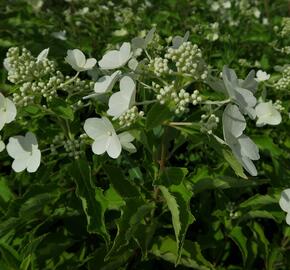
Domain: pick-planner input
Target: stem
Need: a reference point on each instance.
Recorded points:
(146, 102)
(147, 54)
(222, 102)
(70, 80)
(180, 124)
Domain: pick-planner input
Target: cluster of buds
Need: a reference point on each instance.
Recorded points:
(72, 147)
(284, 82)
(188, 60)
(23, 67)
(77, 85)
(159, 66)
(209, 123)
(180, 99)
(130, 116)
(278, 105)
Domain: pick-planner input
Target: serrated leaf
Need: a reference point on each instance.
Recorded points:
(258, 200)
(178, 198)
(93, 201)
(157, 115)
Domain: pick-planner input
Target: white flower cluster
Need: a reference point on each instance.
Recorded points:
(209, 122)
(279, 106)
(188, 59)
(130, 116)
(23, 67)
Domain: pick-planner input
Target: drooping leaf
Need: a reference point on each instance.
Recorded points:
(93, 201)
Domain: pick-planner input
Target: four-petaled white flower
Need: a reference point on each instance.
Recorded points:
(24, 150)
(78, 60)
(243, 148)
(116, 58)
(262, 76)
(7, 111)
(284, 203)
(267, 114)
(105, 138)
(104, 135)
(124, 99)
(239, 91)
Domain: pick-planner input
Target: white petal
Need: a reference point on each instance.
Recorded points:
(34, 161)
(95, 127)
(30, 139)
(20, 164)
(2, 146)
(284, 201)
(150, 35)
(288, 218)
(2, 118)
(267, 114)
(10, 111)
(16, 147)
(116, 58)
(76, 59)
(249, 166)
(90, 63)
(248, 148)
(106, 83)
(138, 42)
(42, 55)
(121, 101)
(114, 146)
(233, 121)
(100, 145)
(126, 138)
(108, 125)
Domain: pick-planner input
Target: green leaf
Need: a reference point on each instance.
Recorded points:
(266, 143)
(171, 176)
(121, 185)
(191, 256)
(261, 239)
(93, 201)
(223, 183)
(62, 109)
(233, 162)
(258, 201)
(177, 199)
(157, 115)
(241, 241)
(9, 255)
(132, 215)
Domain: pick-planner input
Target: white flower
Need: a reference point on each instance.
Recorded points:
(7, 111)
(178, 40)
(25, 152)
(262, 76)
(142, 43)
(116, 58)
(244, 149)
(126, 138)
(227, 4)
(267, 114)
(104, 135)
(106, 83)
(284, 203)
(42, 55)
(59, 35)
(124, 99)
(78, 60)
